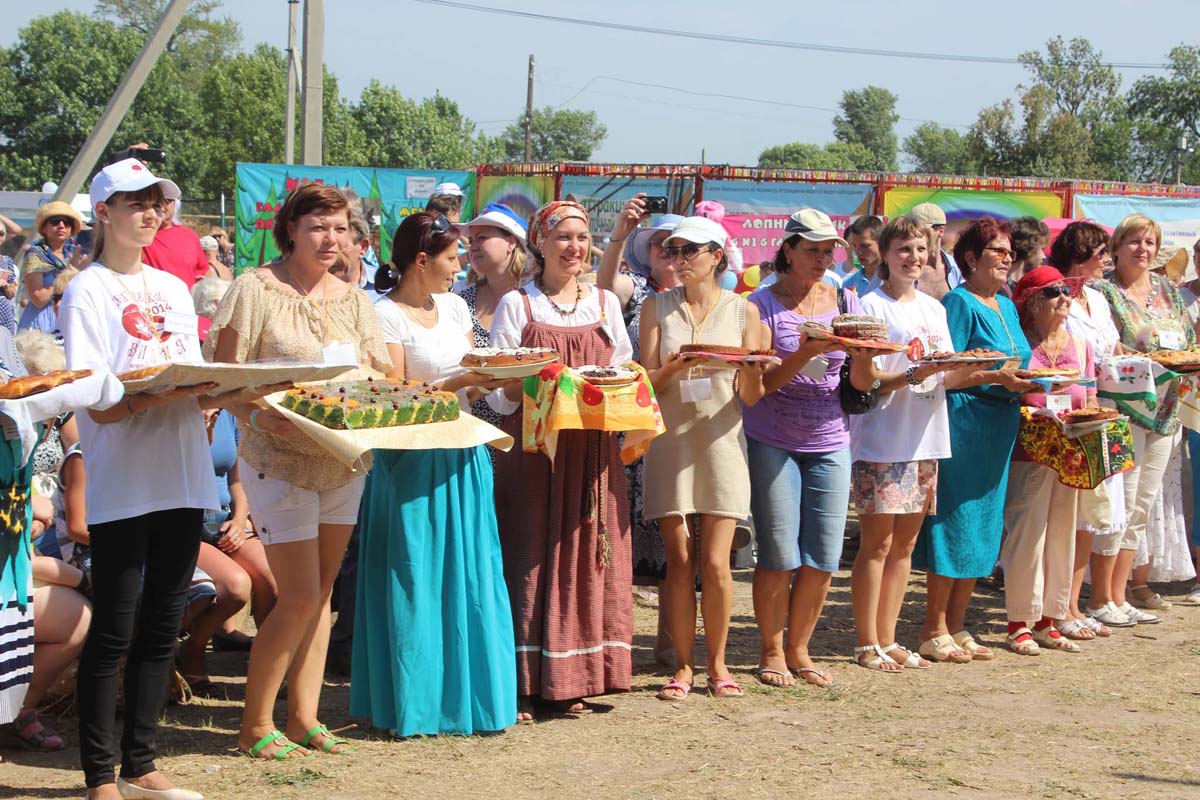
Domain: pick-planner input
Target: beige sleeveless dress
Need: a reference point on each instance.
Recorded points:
(699, 465)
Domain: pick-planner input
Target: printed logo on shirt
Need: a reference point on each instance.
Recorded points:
(133, 319)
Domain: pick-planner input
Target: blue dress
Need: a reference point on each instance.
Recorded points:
(963, 539)
(433, 628)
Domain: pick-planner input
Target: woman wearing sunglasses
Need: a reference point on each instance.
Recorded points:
(1038, 554)
(1081, 252)
(697, 482)
(57, 223)
(959, 544)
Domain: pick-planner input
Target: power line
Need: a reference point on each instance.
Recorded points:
(755, 42)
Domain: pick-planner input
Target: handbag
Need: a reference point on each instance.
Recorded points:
(853, 401)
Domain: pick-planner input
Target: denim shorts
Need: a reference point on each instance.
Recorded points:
(799, 502)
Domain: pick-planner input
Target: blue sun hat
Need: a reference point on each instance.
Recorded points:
(637, 251)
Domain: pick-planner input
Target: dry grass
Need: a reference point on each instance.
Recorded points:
(1117, 720)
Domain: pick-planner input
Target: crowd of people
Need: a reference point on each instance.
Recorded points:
(478, 588)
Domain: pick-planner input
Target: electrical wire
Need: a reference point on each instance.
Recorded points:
(756, 42)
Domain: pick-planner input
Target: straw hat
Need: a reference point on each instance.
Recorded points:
(57, 208)
(1173, 261)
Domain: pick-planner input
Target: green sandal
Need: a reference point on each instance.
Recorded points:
(272, 738)
(331, 741)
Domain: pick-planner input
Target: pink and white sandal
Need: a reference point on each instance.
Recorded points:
(684, 687)
(719, 687)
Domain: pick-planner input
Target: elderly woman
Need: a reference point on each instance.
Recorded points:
(959, 544)
(1150, 316)
(798, 443)
(1038, 554)
(57, 223)
(1081, 252)
(304, 504)
(216, 269)
(572, 607)
(207, 295)
(698, 485)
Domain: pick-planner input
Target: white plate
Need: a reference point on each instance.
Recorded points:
(514, 370)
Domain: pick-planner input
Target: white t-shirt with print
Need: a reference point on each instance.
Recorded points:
(430, 354)
(907, 424)
(161, 460)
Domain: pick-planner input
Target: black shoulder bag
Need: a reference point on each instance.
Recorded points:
(853, 401)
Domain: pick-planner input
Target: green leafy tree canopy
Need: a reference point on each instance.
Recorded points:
(557, 135)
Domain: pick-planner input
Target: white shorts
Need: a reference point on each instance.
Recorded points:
(283, 512)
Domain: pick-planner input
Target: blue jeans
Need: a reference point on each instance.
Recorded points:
(799, 502)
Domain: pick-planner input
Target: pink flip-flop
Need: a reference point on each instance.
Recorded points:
(677, 685)
(715, 687)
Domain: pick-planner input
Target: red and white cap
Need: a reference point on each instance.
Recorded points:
(129, 175)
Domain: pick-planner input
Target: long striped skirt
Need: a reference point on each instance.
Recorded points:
(564, 534)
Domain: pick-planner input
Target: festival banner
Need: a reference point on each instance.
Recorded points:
(1179, 217)
(963, 205)
(759, 235)
(523, 194)
(605, 196)
(389, 195)
(752, 197)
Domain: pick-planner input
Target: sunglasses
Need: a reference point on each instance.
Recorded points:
(687, 251)
(64, 221)
(1002, 252)
(1051, 292)
(1101, 251)
(440, 224)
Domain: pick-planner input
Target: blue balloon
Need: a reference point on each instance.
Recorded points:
(727, 280)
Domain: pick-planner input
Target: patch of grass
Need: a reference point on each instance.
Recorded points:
(910, 762)
(300, 779)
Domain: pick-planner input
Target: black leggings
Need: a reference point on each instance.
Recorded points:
(150, 557)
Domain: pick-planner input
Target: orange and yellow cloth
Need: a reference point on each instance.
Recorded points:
(558, 399)
(1081, 463)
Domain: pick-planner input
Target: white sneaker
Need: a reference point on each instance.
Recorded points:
(1140, 617)
(1111, 616)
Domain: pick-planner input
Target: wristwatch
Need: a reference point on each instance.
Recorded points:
(911, 376)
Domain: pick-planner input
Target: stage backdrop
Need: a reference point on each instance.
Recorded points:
(750, 197)
(1178, 216)
(520, 193)
(963, 205)
(389, 195)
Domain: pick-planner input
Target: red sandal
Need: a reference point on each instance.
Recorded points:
(28, 732)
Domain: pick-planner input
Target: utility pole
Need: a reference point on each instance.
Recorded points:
(529, 114)
(313, 91)
(293, 79)
(1181, 151)
(122, 99)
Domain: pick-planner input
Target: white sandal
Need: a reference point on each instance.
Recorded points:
(1028, 647)
(872, 656)
(1044, 638)
(911, 660)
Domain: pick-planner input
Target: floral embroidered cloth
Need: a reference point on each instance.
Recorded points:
(1081, 463)
(559, 399)
(1142, 390)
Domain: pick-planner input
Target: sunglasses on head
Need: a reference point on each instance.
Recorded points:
(1051, 292)
(687, 251)
(440, 224)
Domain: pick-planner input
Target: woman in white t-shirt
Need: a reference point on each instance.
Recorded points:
(896, 447)
(149, 480)
(433, 633)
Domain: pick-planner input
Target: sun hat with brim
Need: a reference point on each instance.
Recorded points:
(129, 175)
(813, 225)
(637, 252)
(209, 243)
(451, 189)
(710, 209)
(698, 230)
(57, 208)
(497, 215)
(1035, 280)
(1173, 260)
(928, 214)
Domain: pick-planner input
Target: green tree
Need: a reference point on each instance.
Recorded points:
(1045, 142)
(869, 118)
(404, 133)
(557, 135)
(200, 38)
(803, 155)
(1166, 108)
(934, 149)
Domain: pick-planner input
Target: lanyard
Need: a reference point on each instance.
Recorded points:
(146, 310)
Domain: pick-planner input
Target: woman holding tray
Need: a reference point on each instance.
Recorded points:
(960, 543)
(697, 482)
(304, 504)
(564, 527)
(1038, 553)
(433, 635)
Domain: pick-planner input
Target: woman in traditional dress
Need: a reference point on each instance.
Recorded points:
(433, 635)
(564, 527)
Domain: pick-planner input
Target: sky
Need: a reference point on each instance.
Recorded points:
(480, 60)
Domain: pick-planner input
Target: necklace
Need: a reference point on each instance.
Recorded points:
(1058, 343)
(994, 305)
(324, 300)
(427, 317)
(697, 327)
(812, 309)
(562, 312)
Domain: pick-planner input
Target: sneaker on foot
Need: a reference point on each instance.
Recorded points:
(1193, 597)
(1150, 599)
(1110, 615)
(1140, 617)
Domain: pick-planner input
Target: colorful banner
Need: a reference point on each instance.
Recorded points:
(604, 197)
(759, 235)
(964, 205)
(1179, 217)
(523, 195)
(389, 195)
(752, 197)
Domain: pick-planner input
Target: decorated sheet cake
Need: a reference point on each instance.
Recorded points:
(371, 403)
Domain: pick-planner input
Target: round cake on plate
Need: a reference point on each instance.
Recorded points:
(860, 326)
(606, 376)
(507, 356)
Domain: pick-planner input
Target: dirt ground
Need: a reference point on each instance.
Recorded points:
(1118, 720)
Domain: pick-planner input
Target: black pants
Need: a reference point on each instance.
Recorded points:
(341, 636)
(151, 557)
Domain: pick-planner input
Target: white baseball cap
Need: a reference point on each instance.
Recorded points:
(813, 225)
(129, 175)
(497, 215)
(700, 230)
(448, 188)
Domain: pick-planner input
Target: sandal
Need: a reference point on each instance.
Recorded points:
(286, 748)
(331, 741)
(967, 642)
(685, 687)
(761, 672)
(943, 649)
(1046, 638)
(1077, 630)
(1145, 597)
(802, 673)
(911, 659)
(28, 732)
(872, 656)
(1096, 626)
(724, 688)
(1022, 643)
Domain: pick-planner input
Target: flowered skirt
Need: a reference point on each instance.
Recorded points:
(904, 487)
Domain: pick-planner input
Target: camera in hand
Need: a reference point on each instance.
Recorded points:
(656, 204)
(153, 155)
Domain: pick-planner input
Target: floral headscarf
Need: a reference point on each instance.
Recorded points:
(549, 216)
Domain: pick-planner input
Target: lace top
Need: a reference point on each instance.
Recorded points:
(274, 324)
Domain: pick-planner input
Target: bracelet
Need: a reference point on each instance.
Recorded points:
(617, 241)
(254, 419)
(129, 408)
(911, 376)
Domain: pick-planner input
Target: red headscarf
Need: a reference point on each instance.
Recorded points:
(548, 217)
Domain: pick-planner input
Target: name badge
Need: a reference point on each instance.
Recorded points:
(816, 368)
(695, 390)
(1058, 403)
(340, 353)
(180, 322)
(1170, 339)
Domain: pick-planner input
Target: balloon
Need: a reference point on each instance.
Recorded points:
(727, 280)
(746, 293)
(751, 276)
